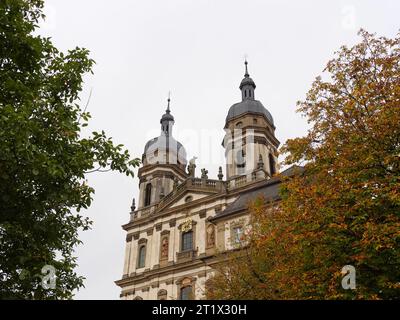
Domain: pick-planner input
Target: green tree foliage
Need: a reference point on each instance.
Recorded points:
(43, 157)
(345, 208)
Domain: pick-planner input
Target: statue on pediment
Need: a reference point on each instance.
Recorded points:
(192, 167)
(204, 173)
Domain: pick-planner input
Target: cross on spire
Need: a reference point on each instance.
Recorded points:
(169, 99)
(247, 72)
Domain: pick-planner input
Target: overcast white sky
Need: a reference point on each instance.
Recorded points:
(196, 49)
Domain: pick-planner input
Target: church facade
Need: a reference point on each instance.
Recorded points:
(183, 220)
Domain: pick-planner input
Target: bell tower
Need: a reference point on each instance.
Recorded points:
(164, 162)
(250, 143)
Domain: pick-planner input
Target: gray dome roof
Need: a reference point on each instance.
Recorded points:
(160, 143)
(248, 105)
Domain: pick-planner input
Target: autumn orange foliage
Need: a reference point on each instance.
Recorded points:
(344, 209)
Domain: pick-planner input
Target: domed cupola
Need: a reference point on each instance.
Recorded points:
(247, 86)
(164, 149)
(167, 121)
(250, 134)
(248, 104)
(164, 163)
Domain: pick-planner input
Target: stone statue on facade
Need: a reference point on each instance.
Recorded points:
(210, 236)
(192, 167)
(204, 173)
(164, 248)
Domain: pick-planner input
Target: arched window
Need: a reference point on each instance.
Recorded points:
(188, 198)
(187, 241)
(142, 256)
(138, 298)
(240, 159)
(147, 195)
(186, 293)
(271, 164)
(239, 124)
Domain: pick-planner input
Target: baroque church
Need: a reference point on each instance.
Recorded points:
(182, 221)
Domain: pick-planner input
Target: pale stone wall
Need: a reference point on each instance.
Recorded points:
(168, 281)
(252, 125)
(150, 289)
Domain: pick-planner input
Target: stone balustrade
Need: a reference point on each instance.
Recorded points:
(197, 184)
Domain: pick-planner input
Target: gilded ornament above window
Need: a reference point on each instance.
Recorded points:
(187, 225)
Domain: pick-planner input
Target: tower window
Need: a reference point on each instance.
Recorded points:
(240, 159)
(142, 256)
(271, 164)
(147, 195)
(187, 241)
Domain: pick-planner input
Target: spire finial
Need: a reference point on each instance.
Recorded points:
(169, 99)
(245, 63)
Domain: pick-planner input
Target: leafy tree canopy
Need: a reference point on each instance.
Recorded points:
(43, 156)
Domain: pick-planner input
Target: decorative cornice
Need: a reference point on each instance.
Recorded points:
(161, 169)
(252, 114)
(173, 267)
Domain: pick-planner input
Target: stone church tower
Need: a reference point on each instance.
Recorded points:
(182, 221)
(164, 163)
(250, 143)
